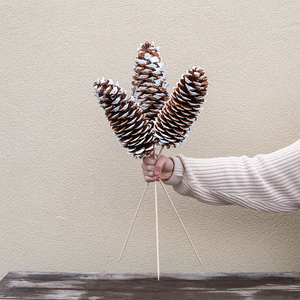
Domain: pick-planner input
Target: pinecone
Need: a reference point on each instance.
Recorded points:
(149, 84)
(150, 116)
(181, 110)
(126, 119)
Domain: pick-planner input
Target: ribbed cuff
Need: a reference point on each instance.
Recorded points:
(177, 174)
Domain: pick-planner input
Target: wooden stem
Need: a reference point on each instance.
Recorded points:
(181, 222)
(160, 151)
(147, 184)
(156, 223)
(156, 226)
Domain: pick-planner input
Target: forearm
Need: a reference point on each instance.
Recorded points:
(268, 182)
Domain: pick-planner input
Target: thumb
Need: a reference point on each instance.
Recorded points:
(162, 160)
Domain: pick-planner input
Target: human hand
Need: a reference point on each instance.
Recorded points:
(155, 169)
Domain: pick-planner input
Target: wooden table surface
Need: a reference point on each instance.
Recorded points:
(95, 286)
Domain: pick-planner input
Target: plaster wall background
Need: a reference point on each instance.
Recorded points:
(68, 190)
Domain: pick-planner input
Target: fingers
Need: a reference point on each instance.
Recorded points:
(148, 167)
(149, 161)
(155, 169)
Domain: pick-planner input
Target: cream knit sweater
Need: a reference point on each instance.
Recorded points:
(269, 182)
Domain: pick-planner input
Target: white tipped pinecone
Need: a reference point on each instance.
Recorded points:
(149, 84)
(181, 110)
(125, 117)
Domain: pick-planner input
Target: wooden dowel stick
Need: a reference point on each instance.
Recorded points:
(160, 151)
(147, 184)
(181, 222)
(156, 221)
(156, 224)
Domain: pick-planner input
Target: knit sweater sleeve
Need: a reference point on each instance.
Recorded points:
(268, 182)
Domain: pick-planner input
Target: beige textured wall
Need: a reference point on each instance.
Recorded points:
(69, 190)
